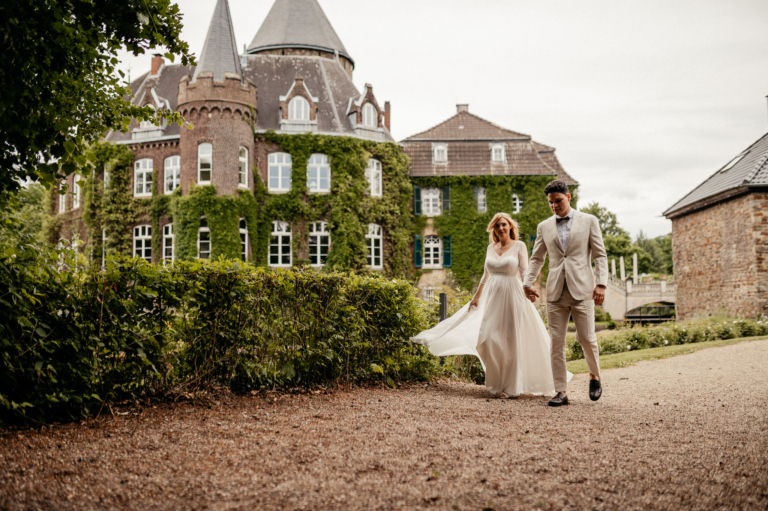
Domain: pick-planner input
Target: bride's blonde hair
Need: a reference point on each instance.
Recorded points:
(514, 229)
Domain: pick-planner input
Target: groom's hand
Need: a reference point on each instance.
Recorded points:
(530, 294)
(598, 295)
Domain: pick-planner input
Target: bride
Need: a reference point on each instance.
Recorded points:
(500, 325)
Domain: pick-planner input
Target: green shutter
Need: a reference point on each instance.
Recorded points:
(416, 200)
(531, 240)
(417, 251)
(447, 251)
(446, 199)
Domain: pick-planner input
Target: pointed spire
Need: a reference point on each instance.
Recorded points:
(219, 53)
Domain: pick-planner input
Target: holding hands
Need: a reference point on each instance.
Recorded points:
(531, 294)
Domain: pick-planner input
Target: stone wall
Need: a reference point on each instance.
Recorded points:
(719, 257)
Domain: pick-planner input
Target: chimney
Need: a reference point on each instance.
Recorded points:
(157, 63)
(462, 108)
(386, 115)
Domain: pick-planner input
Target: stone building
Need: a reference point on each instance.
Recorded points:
(465, 170)
(720, 239)
(285, 152)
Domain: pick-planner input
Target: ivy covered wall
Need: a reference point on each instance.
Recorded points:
(467, 227)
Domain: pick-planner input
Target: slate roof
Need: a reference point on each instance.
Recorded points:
(297, 24)
(219, 53)
(747, 169)
(469, 139)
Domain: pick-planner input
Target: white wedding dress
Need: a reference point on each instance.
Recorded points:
(504, 331)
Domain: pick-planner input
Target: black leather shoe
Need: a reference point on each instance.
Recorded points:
(595, 390)
(559, 400)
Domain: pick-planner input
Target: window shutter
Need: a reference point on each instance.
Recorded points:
(417, 251)
(531, 240)
(447, 251)
(416, 200)
(446, 199)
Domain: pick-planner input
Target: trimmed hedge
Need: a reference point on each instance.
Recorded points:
(72, 340)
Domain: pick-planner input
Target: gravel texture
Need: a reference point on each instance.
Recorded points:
(687, 432)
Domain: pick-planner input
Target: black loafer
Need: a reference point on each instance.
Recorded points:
(595, 390)
(559, 400)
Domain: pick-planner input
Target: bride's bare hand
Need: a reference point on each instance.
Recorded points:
(474, 302)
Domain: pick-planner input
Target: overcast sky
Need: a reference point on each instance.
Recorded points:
(642, 99)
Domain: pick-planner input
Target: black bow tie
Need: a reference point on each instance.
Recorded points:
(564, 219)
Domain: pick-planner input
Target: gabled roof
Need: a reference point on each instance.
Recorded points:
(219, 53)
(297, 24)
(467, 126)
(748, 169)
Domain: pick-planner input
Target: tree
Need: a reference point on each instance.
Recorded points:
(608, 222)
(29, 209)
(60, 87)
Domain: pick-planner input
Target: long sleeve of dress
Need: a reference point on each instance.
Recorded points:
(485, 269)
(522, 260)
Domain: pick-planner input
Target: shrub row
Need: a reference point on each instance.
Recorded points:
(73, 339)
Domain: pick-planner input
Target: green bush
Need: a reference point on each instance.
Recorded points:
(73, 338)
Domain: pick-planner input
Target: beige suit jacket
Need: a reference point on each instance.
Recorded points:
(584, 243)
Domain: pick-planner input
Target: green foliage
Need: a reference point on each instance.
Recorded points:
(61, 88)
(659, 250)
(29, 209)
(467, 227)
(609, 223)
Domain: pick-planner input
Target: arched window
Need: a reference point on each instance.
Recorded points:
(375, 241)
(203, 240)
(77, 192)
(318, 173)
(298, 109)
(62, 197)
(369, 115)
(168, 242)
(517, 204)
(204, 164)
(373, 174)
(147, 124)
(319, 243)
(279, 172)
(172, 168)
(432, 250)
(142, 242)
(244, 239)
(242, 156)
(142, 178)
(280, 246)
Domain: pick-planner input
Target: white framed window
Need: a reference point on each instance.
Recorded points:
(433, 248)
(203, 240)
(243, 239)
(298, 109)
(498, 153)
(429, 294)
(242, 169)
(62, 197)
(280, 172)
(430, 201)
(440, 153)
(172, 171)
(76, 192)
(319, 173)
(479, 192)
(517, 203)
(103, 247)
(107, 177)
(369, 115)
(168, 254)
(147, 124)
(142, 178)
(319, 243)
(204, 164)
(373, 175)
(280, 246)
(142, 242)
(375, 241)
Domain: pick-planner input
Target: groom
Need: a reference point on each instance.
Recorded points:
(570, 238)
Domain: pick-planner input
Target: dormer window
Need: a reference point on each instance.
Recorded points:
(369, 115)
(498, 154)
(298, 109)
(147, 124)
(440, 153)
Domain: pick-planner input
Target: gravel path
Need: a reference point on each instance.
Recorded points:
(687, 432)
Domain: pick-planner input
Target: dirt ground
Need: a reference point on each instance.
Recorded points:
(687, 432)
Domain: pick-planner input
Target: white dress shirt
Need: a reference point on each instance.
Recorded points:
(564, 228)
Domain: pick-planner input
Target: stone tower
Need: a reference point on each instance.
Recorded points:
(221, 104)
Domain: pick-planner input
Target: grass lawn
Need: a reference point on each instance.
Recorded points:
(631, 357)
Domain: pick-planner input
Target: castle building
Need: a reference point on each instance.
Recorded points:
(720, 239)
(464, 170)
(287, 163)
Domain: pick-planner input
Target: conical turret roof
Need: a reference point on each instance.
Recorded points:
(219, 53)
(297, 24)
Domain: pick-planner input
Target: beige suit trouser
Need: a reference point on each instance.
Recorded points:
(583, 312)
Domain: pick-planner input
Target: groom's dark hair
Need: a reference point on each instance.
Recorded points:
(556, 186)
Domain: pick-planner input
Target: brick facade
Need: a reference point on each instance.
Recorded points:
(720, 257)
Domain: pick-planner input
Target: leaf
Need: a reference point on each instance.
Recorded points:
(391, 382)
(377, 368)
(288, 370)
(38, 366)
